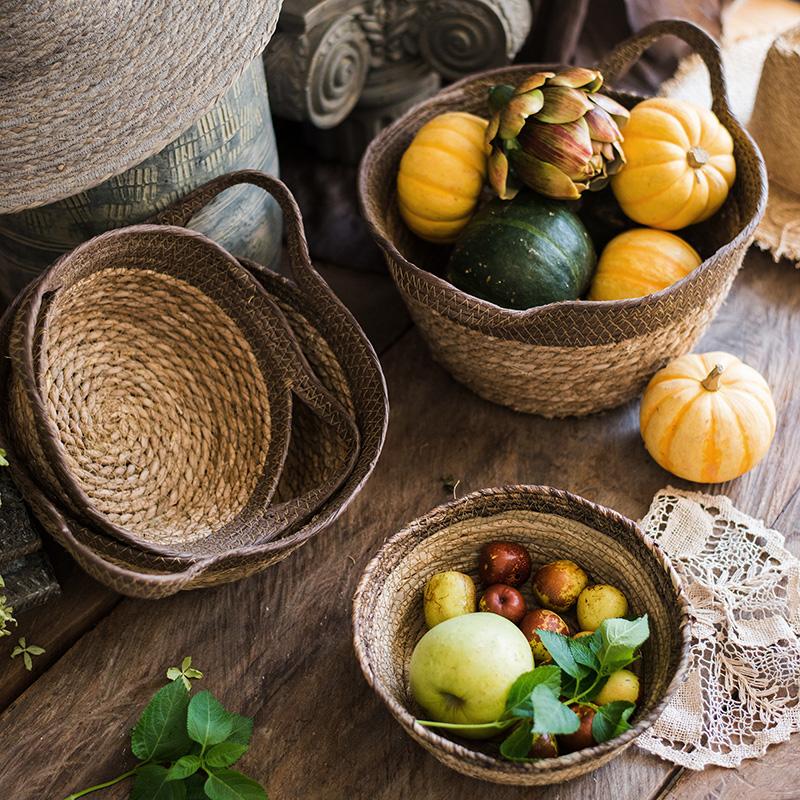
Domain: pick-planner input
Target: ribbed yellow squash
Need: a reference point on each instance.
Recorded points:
(680, 164)
(441, 176)
(707, 418)
(640, 262)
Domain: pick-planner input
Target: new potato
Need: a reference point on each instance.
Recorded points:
(557, 585)
(621, 685)
(598, 603)
(448, 595)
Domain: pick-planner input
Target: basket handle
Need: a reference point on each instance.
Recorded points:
(617, 63)
(300, 260)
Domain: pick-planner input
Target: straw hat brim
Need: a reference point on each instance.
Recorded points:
(89, 90)
(743, 60)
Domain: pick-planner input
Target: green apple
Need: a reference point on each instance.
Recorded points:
(462, 670)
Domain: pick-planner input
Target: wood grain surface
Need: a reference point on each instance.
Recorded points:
(277, 646)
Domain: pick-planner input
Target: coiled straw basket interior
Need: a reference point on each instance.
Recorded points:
(312, 348)
(572, 357)
(388, 620)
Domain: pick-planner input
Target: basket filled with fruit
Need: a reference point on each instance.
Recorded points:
(522, 635)
(556, 241)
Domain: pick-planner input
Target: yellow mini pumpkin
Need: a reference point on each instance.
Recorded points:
(441, 176)
(642, 261)
(680, 164)
(707, 418)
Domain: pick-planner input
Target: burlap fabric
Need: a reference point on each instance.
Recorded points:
(572, 357)
(388, 620)
(89, 89)
(762, 73)
(743, 587)
(337, 353)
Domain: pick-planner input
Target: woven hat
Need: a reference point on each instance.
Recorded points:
(88, 89)
(762, 80)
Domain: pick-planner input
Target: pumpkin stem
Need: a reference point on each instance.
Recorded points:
(697, 156)
(711, 381)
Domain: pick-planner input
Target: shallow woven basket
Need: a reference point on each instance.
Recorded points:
(572, 357)
(152, 377)
(388, 620)
(337, 353)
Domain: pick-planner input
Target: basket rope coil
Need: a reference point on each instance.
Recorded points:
(571, 357)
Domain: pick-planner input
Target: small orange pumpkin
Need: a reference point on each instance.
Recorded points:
(640, 262)
(707, 418)
(441, 176)
(680, 164)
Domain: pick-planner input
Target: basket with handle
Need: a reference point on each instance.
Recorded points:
(339, 367)
(572, 357)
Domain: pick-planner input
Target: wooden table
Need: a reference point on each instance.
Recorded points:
(277, 646)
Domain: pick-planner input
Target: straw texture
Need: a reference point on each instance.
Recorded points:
(573, 357)
(89, 89)
(388, 619)
(337, 425)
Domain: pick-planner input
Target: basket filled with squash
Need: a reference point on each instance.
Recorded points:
(557, 242)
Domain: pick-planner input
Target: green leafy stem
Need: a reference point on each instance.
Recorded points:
(186, 747)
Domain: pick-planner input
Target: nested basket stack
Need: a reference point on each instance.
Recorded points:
(177, 418)
(571, 357)
(388, 620)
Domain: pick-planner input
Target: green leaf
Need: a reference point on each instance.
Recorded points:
(195, 787)
(242, 729)
(583, 651)
(227, 784)
(152, 784)
(224, 754)
(520, 693)
(611, 720)
(184, 767)
(160, 734)
(550, 715)
(517, 744)
(208, 722)
(3, 459)
(619, 640)
(558, 647)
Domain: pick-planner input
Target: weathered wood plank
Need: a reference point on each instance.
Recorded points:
(278, 646)
(56, 626)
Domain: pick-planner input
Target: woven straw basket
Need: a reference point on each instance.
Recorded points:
(388, 619)
(572, 357)
(290, 336)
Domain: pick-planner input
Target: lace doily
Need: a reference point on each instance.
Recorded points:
(742, 692)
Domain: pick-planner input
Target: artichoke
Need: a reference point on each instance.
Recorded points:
(555, 134)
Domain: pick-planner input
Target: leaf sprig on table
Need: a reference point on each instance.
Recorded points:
(539, 701)
(186, 746)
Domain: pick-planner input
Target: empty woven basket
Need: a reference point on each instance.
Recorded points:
(343, 402)
(388, 620)
(572, 357)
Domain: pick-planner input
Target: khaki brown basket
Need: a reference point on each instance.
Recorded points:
(572, 357)
(336, 432)
(388, 620)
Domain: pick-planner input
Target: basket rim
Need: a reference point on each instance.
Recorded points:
(482, 309)
(429, 523)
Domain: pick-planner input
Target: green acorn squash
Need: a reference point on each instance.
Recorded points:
(524, 252)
